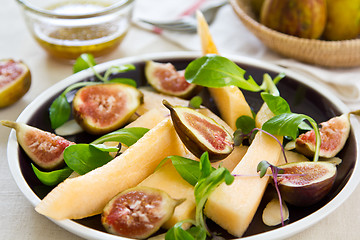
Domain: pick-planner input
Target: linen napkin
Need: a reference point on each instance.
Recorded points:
(232, 37)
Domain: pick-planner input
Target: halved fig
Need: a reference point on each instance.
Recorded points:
(334, 134)
(164, 78)
(138, 212)
(15, 81)
(45, 149)
(200, 133)
(103, 108)
(306, 183)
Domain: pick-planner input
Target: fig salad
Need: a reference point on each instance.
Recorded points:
(301, 98)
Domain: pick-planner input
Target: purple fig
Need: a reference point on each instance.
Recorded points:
(334, 134)
(164, 78)
(45, 149)
(103, 108)
(306, 183)
(138, 212)
(200, 133)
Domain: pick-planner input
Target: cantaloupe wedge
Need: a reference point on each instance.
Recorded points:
(170, 181)
(233, 207)
(229, 100)
(87, 195)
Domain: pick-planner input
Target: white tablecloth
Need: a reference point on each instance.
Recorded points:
(18, 220)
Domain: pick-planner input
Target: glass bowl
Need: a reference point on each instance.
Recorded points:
(66, 29)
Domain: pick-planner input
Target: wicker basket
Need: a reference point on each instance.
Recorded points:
(323, 53)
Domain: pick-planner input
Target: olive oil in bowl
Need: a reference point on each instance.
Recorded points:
(70, 28)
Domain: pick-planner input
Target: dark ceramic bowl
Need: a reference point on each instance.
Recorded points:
(303, 95)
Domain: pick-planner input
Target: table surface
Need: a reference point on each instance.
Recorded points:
(18, 219)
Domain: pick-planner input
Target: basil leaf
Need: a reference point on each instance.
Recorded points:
(276, 104)
(54, 177)
(245, 123)
(83, 62)
(59, 111)
(127, 136)
(83, 158)
(216, 71)
(127, 81)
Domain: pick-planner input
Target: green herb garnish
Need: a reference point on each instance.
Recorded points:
(52, 178)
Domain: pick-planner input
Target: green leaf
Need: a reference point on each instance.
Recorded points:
(287, 124)
(205, 166)
(195, 102)
(83, 158)
(269, 85)
(276, 104)
(83, 62)
(127, 136)
(178, 233)
(127, 81)
(59, 111)
(262, 168)
(216, 71)
(245, 123)
(54, 177)
(188, 169)
(118, 69)
(197, 232)
(105, 148)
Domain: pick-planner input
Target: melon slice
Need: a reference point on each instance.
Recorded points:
(87, 195)
(233, 207)
(229, 100)
(170, 181)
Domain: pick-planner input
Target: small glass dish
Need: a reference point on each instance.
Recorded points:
(66, 29)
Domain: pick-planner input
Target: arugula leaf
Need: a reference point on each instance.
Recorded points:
(178, 233)
(276, 104)
(127, 136)
(287, 124)
(205, 166)
(221, 71)
(52, 178)
(82, 158)
(269, 85)
(105, 148)
(84, 62)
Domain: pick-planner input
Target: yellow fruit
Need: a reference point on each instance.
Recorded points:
(15, 81)
(233, 206)
(88, 194)
(343, 20)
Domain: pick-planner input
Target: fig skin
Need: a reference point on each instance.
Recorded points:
(138, 212)
(103, 108)
(334, 134)
(301, 18)
(164, 78)
(45, 149)
(15, 81)
(309, 189)
(217, 135)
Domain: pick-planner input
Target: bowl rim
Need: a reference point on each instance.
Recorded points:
(279, 233)
(121, 4)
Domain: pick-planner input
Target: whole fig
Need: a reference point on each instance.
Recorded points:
(301, 18)
(343, 19)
